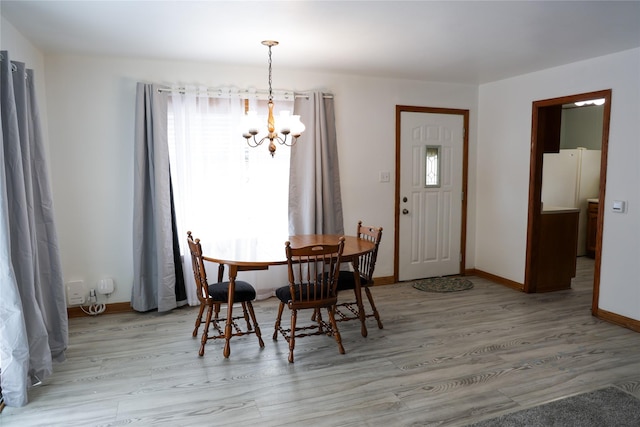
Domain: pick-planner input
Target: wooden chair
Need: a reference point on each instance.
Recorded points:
(346, 311)
(212, 296)
(313, 278)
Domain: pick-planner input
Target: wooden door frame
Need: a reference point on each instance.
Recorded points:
(535, 186)
(465, 166)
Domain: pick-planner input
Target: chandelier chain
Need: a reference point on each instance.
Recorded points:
(270, 90)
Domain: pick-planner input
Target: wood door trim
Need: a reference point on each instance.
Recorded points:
(465, 170)
(535, 187)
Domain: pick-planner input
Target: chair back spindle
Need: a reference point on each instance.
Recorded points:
(368, 261)
(313, 272)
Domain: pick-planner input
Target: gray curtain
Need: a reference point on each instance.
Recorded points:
(33, 311)
(315, 202)
(158, 281)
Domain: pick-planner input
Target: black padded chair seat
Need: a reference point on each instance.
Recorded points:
(284, 293)
(346, 280)
(244, 291)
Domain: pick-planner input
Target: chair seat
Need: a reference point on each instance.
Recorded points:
(346, 280)
(243, 291)
(302, 293)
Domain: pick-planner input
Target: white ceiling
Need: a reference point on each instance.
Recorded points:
(446, 41)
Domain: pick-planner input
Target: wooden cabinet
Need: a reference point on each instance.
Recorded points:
(592, 228)
(557, 250)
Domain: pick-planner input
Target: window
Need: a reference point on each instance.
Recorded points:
(224, 189)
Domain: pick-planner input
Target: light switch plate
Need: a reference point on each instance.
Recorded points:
(619, 206)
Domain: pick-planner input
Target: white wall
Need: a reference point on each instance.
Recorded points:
(504, 138)
(91, 112)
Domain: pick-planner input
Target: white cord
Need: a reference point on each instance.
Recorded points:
(94, 309)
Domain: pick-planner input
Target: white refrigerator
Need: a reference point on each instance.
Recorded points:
(569, 178)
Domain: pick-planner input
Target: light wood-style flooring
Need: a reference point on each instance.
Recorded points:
(441, 360)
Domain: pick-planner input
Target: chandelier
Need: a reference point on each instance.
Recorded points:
(288, 125)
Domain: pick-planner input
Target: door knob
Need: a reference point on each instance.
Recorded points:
(405, 211)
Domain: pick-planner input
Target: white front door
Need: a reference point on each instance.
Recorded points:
(430, 217)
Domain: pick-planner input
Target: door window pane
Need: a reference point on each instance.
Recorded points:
(432, 166)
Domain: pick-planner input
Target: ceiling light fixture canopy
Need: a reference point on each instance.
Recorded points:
(287, 123)
(599, 101)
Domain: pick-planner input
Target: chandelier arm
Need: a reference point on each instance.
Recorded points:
(292, 142)
(255, 143)
(283, 140)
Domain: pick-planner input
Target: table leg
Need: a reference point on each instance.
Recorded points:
(358, 292)
(233, 272)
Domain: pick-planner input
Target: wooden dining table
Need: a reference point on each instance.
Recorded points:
(255, 254)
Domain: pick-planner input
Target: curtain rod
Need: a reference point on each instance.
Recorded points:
(229, 92)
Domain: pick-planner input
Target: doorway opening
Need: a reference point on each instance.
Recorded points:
(545, 138)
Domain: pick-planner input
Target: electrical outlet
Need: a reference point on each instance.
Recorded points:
(75, 293)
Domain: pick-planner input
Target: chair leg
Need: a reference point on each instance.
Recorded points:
(373, 307)
(317, 314)
(217, 310)
(246, 315)
(205, 333)
(334, 326)
(252, 314)
(292, 336)
(357, 290)
(278, 320)
(198, 321)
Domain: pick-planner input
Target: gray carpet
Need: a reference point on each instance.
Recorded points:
(608, 407)
(443, 284)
